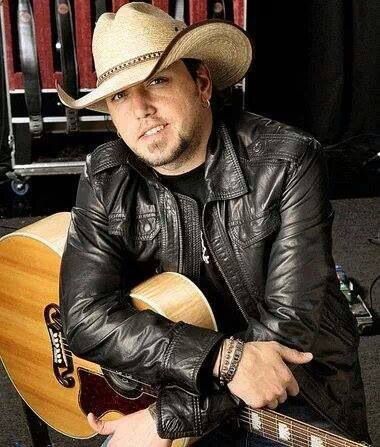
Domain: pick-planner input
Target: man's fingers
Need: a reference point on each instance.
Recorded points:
(101, 427)
(282, 398)
(292, 388)
(272, 405)
(294, 356)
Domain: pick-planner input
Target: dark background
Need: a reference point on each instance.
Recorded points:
(316, 66)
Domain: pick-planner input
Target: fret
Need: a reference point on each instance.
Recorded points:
(255, 421)
(262, 423)
(273, 429)
(291, 433)
(284, 432)
(276, 427)
(269, 427)
(316, 441)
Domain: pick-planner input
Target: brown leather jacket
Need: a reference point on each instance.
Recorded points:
(267, 225)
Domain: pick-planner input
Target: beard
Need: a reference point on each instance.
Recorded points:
(161, 157)
(159, 154)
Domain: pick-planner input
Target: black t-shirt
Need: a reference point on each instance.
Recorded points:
(228, 317)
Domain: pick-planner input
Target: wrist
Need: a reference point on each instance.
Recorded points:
(216, 369)
(153, 411)
(228, 360)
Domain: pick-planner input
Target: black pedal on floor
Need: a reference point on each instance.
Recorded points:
(364, 317)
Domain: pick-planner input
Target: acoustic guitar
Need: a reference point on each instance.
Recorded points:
(62, 388)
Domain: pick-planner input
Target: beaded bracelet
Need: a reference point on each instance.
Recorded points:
(231, 361)
(226, 360)
(238, 352)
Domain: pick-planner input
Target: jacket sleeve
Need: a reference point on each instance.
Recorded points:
(301, 270)
(182, 415)
(99, 321)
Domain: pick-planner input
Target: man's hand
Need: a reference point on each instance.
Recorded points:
(135, 430)
(262, 378)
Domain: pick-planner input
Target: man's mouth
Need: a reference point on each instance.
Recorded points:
(153, 130)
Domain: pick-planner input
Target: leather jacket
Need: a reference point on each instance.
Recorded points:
(267, 225)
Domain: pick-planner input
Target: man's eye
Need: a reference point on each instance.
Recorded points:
(118, 96)
(157, 81)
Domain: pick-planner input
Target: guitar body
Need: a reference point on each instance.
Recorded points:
(60, 387)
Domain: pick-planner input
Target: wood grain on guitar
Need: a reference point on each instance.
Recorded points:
(62, 388)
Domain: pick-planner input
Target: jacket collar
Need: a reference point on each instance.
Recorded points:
(223, 175)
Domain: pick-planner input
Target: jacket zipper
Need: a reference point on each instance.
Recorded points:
(203, 233)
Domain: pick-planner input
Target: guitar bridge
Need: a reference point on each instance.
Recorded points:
(61, 359)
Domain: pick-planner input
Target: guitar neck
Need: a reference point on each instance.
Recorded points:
(289, 431)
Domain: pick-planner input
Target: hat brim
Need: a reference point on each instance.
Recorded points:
(224, 47)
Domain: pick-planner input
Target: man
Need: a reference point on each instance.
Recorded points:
(237, 204)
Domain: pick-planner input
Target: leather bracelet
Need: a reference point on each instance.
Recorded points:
(238, 352)
(225, 361)
(231, 361)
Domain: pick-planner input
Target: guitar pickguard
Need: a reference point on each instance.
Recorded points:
(98, 397)
(62, 360)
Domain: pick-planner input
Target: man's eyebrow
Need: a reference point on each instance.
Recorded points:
(160, 73)
(125, 90)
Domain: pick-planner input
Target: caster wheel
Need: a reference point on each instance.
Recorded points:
(19, 188)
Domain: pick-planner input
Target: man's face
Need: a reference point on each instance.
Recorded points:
(162, 120)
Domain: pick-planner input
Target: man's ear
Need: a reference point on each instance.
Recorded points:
(204, 81)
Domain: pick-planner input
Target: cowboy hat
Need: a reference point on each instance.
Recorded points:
(139, 40)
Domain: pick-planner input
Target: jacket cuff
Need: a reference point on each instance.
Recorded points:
(187, 353)
(182, 415)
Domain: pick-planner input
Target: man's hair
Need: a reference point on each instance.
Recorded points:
(192, 66)
(221, 101)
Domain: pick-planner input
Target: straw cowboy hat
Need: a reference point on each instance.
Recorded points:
(140, 40)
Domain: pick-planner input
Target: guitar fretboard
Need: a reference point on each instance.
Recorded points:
(289, 431)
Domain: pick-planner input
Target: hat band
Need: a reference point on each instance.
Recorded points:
(127, 64)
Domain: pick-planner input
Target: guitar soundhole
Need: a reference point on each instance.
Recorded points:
(61, 357)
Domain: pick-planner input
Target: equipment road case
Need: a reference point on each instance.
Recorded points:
(45, 41)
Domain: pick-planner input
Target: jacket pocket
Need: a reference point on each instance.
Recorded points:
(147, 226)
(144, 228)
(248, 232)
(117, 224)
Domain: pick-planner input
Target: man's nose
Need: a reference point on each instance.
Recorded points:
(141, 105)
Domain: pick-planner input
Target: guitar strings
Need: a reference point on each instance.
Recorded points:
(265, 431)
(272, 416)
(296, 427)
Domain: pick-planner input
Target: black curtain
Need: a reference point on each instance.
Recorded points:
(317, 65)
